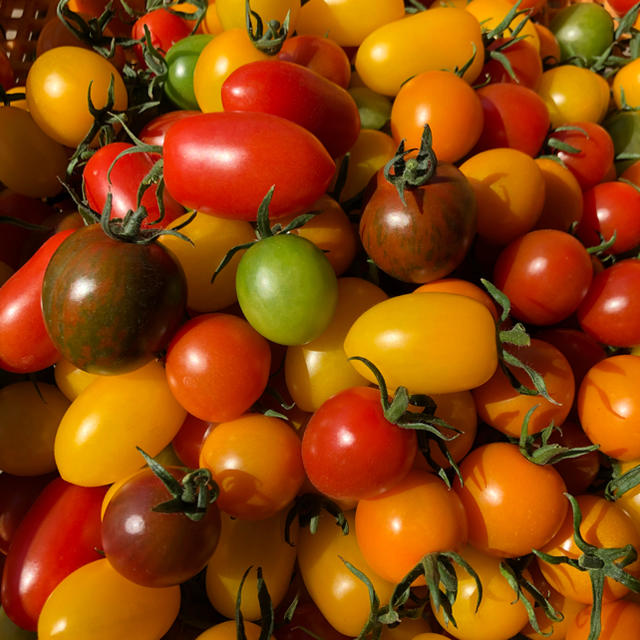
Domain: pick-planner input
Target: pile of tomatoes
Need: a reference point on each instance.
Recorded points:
(321, 319)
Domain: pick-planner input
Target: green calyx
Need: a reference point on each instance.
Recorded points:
(307, 509)
(413, 172)
(267, 618)
(268, 40)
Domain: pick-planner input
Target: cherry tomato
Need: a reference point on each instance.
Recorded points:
(232, 14)
(165, 29)
(523, 57)
(619, 620)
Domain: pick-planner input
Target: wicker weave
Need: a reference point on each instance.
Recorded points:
(21, 22)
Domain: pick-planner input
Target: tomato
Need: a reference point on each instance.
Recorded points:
(625, 85)
(509, 190)
(30, 414)
(244, 544)
(187, 443)
(181, 60)
(10, 630)
(22, 140)
(514, 116)
(319, 369)
(25, 345)
(611, 207)
(393, 530)
(461, 287)
(217, 366)
(523, 57)
(286, 289)
(441, 38)
(228, 630)
(151, 548)
(225, 163)
(501, 523)
(605, 525)
(232, 14)
(154, 131)
(351, 450)
(574, 94)
(619, 620)
(340, 595)
(165, 29)
(624, 130)
(96, 440)
(57, 87)
(499, 615)
(17, 494)
(563, 197)
(211, 237)
(427, 342)
(609, 311)
(545, 273)
(584, 32)
(104, 175)
(124, 607)
(91, 275)
(504, 408)
(256, 462)
(347, 22)
(320, 54)
(424, 234)
(71, 380)
(298, 94)
(608, 405)
(59, 533)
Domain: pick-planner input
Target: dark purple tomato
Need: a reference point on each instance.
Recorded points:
(151, 548)
(111, 306)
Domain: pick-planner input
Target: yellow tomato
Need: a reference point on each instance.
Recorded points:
(96, 602)
(212, 237)
(319, 369)
(436, 39)
(232, 13)
(57, 86)
(71, 380)
(574, 94)
(427, 342)
(228, 631)
(626, 85)
(348, 22)
(97, 437)
(509, 190)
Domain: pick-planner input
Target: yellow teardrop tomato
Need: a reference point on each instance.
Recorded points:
(436, 39)
(319, 369)
(223, 55)
(29, 419)
(244, 544)
(340, 595)
(212, 237)
(96, 602)
(23, 143)
(97, 437)
(232, 14)
(347, 22)
(509, 190)
(57, 87)
(574, 94)
(427, 342)
(71, 380)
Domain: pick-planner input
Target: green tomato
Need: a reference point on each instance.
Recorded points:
(624, 129)
(583, 31)
(11, 631)
(286, 289)
(181, 61)
(374, 108)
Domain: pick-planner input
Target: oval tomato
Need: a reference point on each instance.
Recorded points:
(225, 163)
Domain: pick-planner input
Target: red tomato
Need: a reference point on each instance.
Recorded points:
(217, 366)
(500, 521)
(610, 312)
(60, 533)
(351, 451)
(514, 116)
(25, 345)
(154, 131)
(295, 93)
(165, 29)
(224, 163)
(188, 441)
(545, 273)
(523, 57)
(123, 183)
(608, 208)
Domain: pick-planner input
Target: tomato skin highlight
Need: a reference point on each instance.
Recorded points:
(60, 533)
(25, 345)
(111, 306)
(224, 163)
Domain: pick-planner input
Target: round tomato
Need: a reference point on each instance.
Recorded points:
(428, 342)
(619, 620)
(57, 86)
(625, 85)
(501, 523)
(522, 56)
(165, 28)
